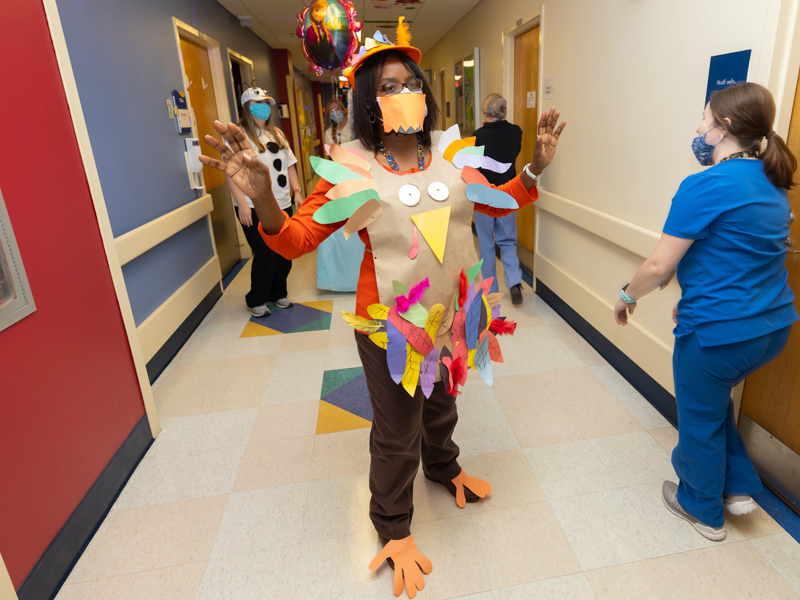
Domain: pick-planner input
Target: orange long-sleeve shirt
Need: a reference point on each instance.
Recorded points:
(301, 234)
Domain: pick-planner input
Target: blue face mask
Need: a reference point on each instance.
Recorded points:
(337, 116)
(703, 150)
(260, 111)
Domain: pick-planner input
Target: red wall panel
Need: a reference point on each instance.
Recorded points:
(69, 395)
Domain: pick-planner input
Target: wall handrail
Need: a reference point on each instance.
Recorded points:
(136, 242)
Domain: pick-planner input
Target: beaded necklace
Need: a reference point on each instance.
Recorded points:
(393, 163)
(742, 154)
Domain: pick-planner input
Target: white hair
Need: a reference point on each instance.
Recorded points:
(495, 107)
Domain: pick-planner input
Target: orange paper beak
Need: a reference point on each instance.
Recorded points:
(403, 113)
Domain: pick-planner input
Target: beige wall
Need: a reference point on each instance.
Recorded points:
(630, 79)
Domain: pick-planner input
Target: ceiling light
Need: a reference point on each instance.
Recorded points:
(458, 77)
(469, 63)
(342, 78)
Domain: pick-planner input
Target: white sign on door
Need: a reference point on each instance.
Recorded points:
(549, 88)
(531, 100)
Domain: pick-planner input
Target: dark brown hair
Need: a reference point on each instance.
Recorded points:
(366, 110)
(751, 110)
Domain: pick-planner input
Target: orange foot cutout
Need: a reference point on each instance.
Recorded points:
(409, 564)
(479, 487)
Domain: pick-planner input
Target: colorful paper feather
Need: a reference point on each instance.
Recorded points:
(427, 373)
(483, 363)
(449, 313)
(416, 336)
(380, 339)
(412, 370)
(472, 323)
(378, 311)
(434, 320)
(395, 352)
(494, 348)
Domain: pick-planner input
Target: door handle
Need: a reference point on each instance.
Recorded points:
(791, 218)
(788, 243)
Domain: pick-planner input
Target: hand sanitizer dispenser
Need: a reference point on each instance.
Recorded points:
(193, 164)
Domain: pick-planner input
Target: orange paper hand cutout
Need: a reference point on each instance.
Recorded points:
(409, 564)
(479, 487)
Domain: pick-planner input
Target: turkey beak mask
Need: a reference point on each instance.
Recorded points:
(404, 112)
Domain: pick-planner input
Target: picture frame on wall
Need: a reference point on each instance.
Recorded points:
(429, 76)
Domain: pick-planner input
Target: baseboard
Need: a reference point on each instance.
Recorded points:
(660, 398)
(175, 342)
(51, 570)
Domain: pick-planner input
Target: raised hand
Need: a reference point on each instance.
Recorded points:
(239, 161)
(546, 140)
(409, 564)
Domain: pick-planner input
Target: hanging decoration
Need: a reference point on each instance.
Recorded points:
(328, 30)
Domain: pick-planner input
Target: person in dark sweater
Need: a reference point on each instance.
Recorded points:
(503, 142)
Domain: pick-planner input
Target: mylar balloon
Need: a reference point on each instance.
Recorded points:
(328, 29)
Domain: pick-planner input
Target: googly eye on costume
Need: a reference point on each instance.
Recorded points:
(438, 191)
(409, 195)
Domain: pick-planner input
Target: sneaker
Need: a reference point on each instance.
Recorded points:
(260, 311)
(516, 294)
(282, 303)
(739, 505)
(669, 493)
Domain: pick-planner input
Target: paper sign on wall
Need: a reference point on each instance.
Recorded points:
(727, 70)
(531, 100)
(549, 88)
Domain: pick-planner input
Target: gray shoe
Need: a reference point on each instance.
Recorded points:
(260, 311)
(739, 505)
(669, 493)
(282, 303)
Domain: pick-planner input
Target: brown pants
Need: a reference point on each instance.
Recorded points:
(404, 429)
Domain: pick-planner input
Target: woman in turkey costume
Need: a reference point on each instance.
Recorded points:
(423, 315)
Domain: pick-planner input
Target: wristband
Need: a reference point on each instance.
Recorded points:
(531, 175)
(296, 190)
(627, 299)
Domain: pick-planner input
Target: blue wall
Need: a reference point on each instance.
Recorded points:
(125, 59)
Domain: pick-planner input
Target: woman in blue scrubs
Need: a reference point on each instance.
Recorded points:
(725, 234)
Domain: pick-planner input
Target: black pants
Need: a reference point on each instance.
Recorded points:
(269, 270)
(404, 430)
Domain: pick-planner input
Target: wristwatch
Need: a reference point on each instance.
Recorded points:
(531, 175)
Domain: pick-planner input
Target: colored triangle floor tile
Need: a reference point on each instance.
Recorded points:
(308, 316)
(352, 396)
(332, 419)
(325, 305)
(332, 380)
(254, 330)
(344, 403)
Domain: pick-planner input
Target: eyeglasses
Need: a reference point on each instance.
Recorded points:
(395, 87)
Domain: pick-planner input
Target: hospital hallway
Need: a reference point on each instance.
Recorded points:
(257, 486)
(169, 432)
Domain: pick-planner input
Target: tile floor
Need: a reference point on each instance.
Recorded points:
(239, 499)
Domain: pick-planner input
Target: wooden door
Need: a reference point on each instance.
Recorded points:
(772, 394)
(203, 102)
(526, 79)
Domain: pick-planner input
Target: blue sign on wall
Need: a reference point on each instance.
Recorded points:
(727, 70)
